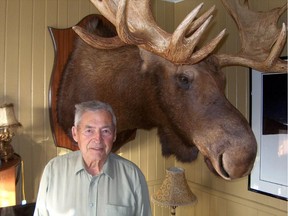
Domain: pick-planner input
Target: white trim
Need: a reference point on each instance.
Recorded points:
(173, 1)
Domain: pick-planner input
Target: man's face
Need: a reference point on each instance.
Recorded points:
(95, 135)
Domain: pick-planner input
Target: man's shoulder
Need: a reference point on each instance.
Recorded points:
(124, 169)
(63, 159)
(117, 159)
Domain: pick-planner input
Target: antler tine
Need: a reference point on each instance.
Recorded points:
(261, 40)
(122, 27)
(207, 49)
(200, 20)
(135, 24)
(187, 23)
(277, 47)
(96, 41)
(184, 45)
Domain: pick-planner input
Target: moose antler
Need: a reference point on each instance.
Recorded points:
(135, 24)
(261, 40)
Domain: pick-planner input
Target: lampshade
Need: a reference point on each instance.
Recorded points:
(174, 190)
(7, 116)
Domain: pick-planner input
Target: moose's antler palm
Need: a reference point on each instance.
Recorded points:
(261, 40)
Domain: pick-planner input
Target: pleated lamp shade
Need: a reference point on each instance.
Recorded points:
(174, 190)
(7, 116)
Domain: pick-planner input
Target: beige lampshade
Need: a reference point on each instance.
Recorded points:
(174, 190)
(7, 116)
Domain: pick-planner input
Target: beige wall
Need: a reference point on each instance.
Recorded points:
(26, 61)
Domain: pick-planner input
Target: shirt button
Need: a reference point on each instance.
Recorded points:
(91, 205)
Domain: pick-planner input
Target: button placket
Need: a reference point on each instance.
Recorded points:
(93, 195)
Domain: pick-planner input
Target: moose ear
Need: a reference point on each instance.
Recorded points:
(147, 59)
(145, 55)
(150, 61)
(214, 62)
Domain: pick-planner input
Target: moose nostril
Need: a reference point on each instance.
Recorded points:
(222, 168)
(210, 166)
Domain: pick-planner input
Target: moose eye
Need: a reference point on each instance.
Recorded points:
(184, 81)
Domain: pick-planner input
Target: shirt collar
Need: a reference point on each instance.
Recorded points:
(108, 168)
(79, 166)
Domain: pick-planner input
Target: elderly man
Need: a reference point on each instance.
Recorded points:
(93, 181)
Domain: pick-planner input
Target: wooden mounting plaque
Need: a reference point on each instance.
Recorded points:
(63, 42)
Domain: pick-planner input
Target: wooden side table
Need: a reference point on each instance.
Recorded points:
(8, 178)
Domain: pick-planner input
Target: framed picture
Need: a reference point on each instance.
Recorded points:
(268, 118)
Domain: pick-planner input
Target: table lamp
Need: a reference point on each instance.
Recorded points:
(174, 191)
(8, 127)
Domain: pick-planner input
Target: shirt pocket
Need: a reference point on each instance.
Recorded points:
(118, 210)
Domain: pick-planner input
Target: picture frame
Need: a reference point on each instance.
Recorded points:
(268, 120)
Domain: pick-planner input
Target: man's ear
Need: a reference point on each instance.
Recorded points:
(74, 133)
(115, 135)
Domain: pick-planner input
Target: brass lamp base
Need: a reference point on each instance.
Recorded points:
(8, 125)
(173, 210)
(6, 151)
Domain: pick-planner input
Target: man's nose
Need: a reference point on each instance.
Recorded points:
(97, 135)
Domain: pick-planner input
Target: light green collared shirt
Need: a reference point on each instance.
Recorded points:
(66, 188)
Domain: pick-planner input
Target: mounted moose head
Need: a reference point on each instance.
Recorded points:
(156, 79)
